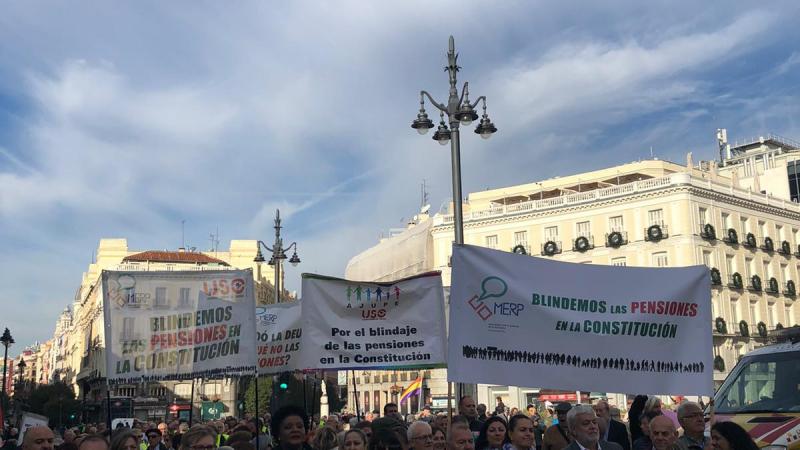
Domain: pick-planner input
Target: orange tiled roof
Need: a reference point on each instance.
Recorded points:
(174, 257)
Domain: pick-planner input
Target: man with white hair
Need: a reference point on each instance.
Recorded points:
(582, 422)
(420, 435)
(460, 438)
(691, 418)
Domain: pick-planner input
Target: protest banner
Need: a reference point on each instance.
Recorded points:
(178, 325)
(28, 420)
(354, 325)
(279, 334)
(527, 321)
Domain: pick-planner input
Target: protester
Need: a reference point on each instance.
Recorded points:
(325, 439)
(662, 432)
(539, 426)
(38, 438)
(611, 430)
(289, 427)
(440, 421)
(691, 418)
(420, 435)
(93, 442)
(365, 427)
(730, 436)
(582, 422)
(468, 409)
(154, 439)
(124, 440)
(459, 438)
(354, 440)
(557, 437)
(481, 408)
(634, 413)
(385, 438)
(644, 442)
(520, 433)
(653, 404)
(494, 433)
(439, 438)
(391, 410)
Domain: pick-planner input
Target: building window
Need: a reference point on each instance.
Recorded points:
(582, 229)
(521, 238)
(551, 233)
(491, 241)
(161, 296)
(655, 217)
(745, 224)
(762, 228)
(385, 378)
(779, 233)
(702, 216)
(767, 271)
(403, 376)
(707, 258)
(660, 259)
(158, 391)
(619, 262)
(793, 168)
(734, 311)
(748, 267)
(772, 319)
(377, 397)
(183, 390)
(789, 317)
(366, 401)
(185, 295)
(615, 223)
(376, 379)
(729, 264)
(126, 391)
(753, 312)
(726, 220)
(212, 389)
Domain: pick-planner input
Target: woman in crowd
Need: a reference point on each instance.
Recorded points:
(386, 439)
(124, 440)
(354, 440)
(494, 433)
(644, 442)
(636, 410)
(730, 436)
(520, 433)
(199, 437)
(439, 438)
(289, 428)
(653, 404)
(325, 439)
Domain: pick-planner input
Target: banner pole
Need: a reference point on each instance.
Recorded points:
(355, 395)
(191, 404)
(258, 415)
(449, 404)
(108, 407)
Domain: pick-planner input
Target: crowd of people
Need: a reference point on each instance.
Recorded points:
(574, 427)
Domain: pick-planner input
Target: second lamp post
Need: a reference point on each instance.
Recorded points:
(278, 255)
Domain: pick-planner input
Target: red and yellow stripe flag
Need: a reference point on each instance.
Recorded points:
(413, 389)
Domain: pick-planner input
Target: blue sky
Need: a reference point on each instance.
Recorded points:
(123, 119)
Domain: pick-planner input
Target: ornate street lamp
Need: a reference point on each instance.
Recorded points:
(6, 340)
(459, 111)
(278, 255)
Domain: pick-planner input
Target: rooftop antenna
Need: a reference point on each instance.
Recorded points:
(214, 238)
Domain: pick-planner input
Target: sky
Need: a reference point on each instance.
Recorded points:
(126, 119)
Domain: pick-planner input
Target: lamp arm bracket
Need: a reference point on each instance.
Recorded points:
(438, 105)
(478, 100)
(463, 90)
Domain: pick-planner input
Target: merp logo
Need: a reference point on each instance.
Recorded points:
(238, 285)
(493, 287)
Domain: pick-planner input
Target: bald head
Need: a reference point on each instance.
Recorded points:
(663, 433)
(38, 438)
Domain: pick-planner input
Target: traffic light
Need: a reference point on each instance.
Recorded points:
(283, 386)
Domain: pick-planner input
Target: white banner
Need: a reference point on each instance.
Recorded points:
(526, 321)
(178, 325)
(279, 333)
(354, 325)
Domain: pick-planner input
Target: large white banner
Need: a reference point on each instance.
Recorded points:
(279, 333)
(177, 325)
(354, 324)
(527, 321)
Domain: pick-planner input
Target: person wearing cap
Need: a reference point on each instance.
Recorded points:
(557, 437)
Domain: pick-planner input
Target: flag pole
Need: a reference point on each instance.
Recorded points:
(355, 395)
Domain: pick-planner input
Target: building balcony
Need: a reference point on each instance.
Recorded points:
(618, 191)
(708, 232)
(551, 247)
(789, 289)
(583, 243)
(616, 238)
(656, 232)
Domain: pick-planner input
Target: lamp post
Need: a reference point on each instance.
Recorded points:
(459, 111)
(278, 255)
(6, 340)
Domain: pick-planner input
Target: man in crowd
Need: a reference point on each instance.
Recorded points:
(459, 438)
(612, 431)
(538, 425)
(93, 442)
(482, 412)
(468, 409)
(557, 436)
(420, 436)
(391, 410)
(663, 433)
(154, 439)
(690, 416)
(582, 422)
(38, 438)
